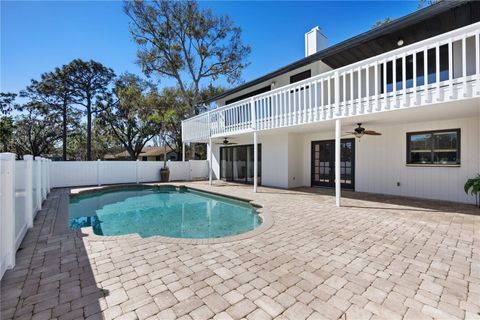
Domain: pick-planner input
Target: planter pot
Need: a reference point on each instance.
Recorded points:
(164, 174)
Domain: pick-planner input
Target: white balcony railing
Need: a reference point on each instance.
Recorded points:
(439, 69)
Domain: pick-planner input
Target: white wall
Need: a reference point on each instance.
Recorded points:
(380, 162)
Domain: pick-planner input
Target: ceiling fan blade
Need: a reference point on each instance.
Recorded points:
(350, 132)
(372, 133)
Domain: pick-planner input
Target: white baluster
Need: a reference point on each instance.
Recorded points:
(367, 93)
(425, 74)
(437, 70)
(352, 100)
(404, 78)
(415, 97)
(464, 65)
(376, 78)
(385, 104)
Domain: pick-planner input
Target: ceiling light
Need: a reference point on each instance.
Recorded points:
(400, 42)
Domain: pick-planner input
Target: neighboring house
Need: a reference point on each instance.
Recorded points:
(415, 80)
(157, 154)
(148, 154)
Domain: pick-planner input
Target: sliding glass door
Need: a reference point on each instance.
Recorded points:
(236, 163)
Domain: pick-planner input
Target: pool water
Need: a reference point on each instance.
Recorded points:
(164, 211)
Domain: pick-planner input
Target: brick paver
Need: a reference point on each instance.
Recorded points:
(376, 257)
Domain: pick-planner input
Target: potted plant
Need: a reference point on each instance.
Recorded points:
(165, 171)
(472, 186)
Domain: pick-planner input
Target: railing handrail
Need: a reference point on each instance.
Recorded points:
(328, 74)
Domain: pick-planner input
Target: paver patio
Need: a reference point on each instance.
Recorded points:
(380, 257)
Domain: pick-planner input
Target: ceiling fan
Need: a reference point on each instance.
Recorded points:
(359, 132)
(225, 142)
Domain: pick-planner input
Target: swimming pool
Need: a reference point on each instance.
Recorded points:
(177, 212)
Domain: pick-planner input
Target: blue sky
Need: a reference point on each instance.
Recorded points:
(37, 36)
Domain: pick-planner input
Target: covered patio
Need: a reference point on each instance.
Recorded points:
(376, 256)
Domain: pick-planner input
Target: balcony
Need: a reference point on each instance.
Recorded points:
(439, 69)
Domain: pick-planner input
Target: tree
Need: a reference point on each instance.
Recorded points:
(7, 102)
(133, 113)
(90, 81)
(171, 97)
(36, 131)
(56, 90)
(6, 132)
(7, 105)
(179, 40)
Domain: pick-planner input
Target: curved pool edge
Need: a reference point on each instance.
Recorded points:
(265, 216)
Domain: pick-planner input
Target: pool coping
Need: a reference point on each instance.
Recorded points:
(264, 214)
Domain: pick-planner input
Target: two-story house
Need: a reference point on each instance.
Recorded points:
(394, 110)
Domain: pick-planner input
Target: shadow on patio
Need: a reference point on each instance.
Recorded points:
(53, 276)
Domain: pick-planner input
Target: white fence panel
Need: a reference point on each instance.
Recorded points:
(23, 186)
(7, 212)
(198, 169)
(73, 173)
(179, 170)
(89, 173)
(20, 201)
(149, 171)
(111, 172)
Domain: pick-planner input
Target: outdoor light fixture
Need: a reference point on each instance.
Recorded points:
(400, 42)
(359, 134)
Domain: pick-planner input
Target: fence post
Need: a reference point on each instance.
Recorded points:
(8, 208)
(43, 179)
(98, 172)
(49, 162)
(136, 171)
(38, 182)
(29, 190)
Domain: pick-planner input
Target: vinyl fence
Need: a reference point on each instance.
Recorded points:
(89, 173)
(24, 184)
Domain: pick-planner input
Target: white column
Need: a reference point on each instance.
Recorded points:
(183, 151)
(7, 223)
(338, 137)
(210, 167)
(255, 161)
(29, 190)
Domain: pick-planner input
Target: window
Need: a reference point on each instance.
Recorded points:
(250, 94)
(300, 76)
(441, 147)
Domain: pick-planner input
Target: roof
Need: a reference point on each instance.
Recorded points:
(444, 16)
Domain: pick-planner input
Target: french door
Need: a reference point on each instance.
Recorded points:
(236, 163)
(323, 163)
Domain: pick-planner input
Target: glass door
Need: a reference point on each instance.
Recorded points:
(323, 163)
(236, 163)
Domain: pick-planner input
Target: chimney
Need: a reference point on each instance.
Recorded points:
(315, 41)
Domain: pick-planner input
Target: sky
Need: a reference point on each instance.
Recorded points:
(37, 36)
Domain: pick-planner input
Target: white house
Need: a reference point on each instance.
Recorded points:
(415, 80)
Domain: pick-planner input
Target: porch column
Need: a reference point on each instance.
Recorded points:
(183, 151)
(338, 137)
(255, 161)
(210, 161)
